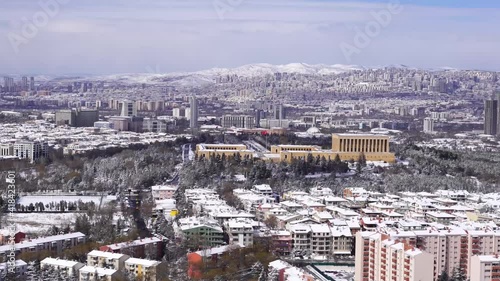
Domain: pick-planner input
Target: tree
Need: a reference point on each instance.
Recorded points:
(443, 276)
(458, 275)
(82, 224)
(271, 221)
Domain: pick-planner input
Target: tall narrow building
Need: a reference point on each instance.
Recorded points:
(490, 117)
(496, 97)
(32, 83)
(428, 125)
(193, 120)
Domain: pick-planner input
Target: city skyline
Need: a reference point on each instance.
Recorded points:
(173, 36)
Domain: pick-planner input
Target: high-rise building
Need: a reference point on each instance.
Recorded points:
(428, 125)
(128, 108)
(497, 98)
(8, 84)
(380, 257)
(193, 120)
(258, 113)
(491, 117)
(279, 112)
(32, 83)
(24, 83)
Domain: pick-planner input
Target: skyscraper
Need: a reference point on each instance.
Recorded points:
(32, 83)
(193, 120)
(24, 84)
(490, 117)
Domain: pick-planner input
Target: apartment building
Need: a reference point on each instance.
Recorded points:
(201, 234)
(70, 268)
(162, 192)
(151, 247)
(56, 243)
(450, 248)
(21, 269)
(282, 242)
(144, 269)
(240, 231)
(321, 239)
(485, 268)
(100, 259)
(91, 273)
(380, 258)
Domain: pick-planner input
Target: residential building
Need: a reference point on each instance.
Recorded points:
(201, 234)
(163, 192)
(485, 268)
(21, 269)
(321, 239)
(282, 242)
(106, 260)
(56, 243)
(428, 125)
(262, 189)
(91, 273)
(144, 270)
(70, 268)
(151, 248)
(240, 231)
(380, 258)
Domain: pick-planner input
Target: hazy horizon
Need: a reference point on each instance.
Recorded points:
(101, 38)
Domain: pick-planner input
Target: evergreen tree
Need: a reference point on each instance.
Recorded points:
(444, 276)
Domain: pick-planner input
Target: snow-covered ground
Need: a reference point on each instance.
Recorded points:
(26, 200)
(337, 272)
(36, 223)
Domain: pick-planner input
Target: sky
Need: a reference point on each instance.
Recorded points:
(141, 36)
